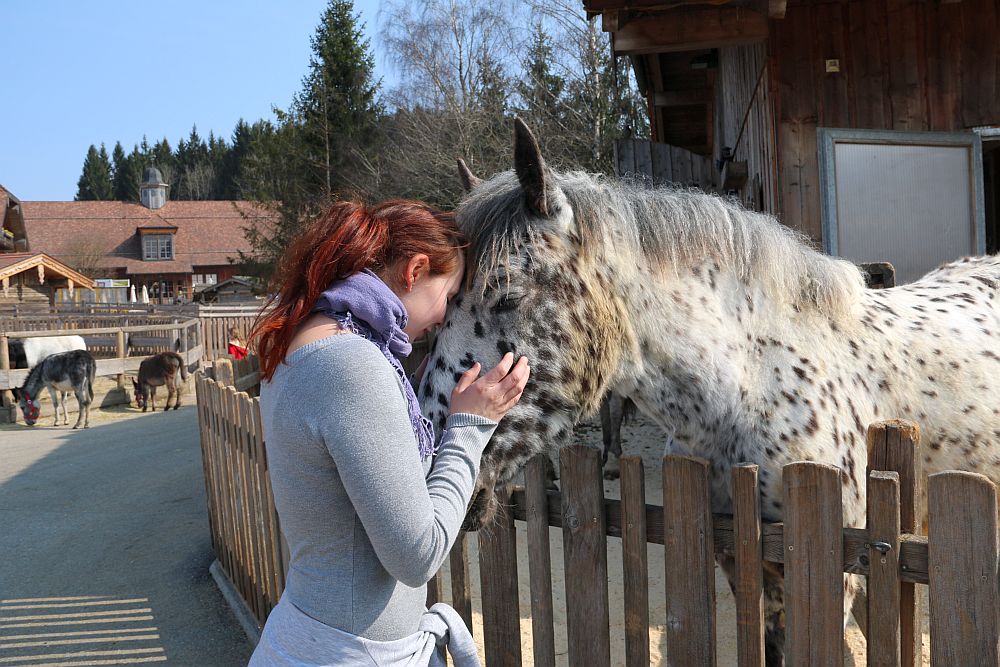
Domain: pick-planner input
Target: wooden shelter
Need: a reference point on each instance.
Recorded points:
(869, 125)
(238, 289)
(34, 277)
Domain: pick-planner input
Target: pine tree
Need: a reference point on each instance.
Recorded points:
(119, 172)
(95, 181)
(541, 89)
(162, 157)
(325, 146)
(218, 157)
(232, 167)
(337, 109)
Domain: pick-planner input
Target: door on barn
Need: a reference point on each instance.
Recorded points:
(914, 199)
(991, 187)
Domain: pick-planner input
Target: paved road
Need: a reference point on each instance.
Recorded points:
(105, 549)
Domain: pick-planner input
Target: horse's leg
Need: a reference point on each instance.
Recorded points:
(65, 408)
(81, 401)
(152, 398)
(612, 415)
(774, 608)
(179, 386)
(84, 397)
(774, 614)
(55, 405)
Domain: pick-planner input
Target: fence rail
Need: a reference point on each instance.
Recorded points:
(147, 338)
(957, 564)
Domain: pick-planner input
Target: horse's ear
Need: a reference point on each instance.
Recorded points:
(530, 168)
(469, 180)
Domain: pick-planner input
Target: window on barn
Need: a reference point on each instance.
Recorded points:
(157, 247)
(204, 278)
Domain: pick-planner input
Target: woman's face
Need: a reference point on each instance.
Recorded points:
(427, 299)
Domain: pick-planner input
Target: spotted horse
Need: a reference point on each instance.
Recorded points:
(723, 326)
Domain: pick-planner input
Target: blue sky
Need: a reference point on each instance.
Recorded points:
(80, 73)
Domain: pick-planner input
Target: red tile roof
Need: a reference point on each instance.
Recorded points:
(9, 258)
(209, 233)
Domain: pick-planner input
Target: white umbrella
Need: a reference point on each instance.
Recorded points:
(131, 294)
(145, 294)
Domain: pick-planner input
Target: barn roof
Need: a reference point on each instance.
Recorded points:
(206, 233)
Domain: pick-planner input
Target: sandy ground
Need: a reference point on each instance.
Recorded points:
(98, 415)
(640, 438)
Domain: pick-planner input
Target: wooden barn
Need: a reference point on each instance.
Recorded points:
(873, 126)
(33, 278)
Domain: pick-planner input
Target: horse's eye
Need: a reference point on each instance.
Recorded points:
(507, 304)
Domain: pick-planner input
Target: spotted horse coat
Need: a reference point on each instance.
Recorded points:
(722, 325)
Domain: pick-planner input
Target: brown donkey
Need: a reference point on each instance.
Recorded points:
(166, 368)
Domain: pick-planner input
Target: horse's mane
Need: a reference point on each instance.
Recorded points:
(35, 371)
(670, 228)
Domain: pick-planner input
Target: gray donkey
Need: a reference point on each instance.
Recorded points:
(60, 373)
(163, 369)
(723, 326)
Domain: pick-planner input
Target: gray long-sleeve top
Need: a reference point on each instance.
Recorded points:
(367, 523)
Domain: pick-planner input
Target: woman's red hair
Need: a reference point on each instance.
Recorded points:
(346, 239)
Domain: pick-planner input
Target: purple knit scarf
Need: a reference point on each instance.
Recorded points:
(362, 303)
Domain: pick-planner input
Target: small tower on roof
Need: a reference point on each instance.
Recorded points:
(153, 191)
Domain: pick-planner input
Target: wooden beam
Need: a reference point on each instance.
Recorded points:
(673, 98)
(612, 21)
(597, 6)
(690, 29)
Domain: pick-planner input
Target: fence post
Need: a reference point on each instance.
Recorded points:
(461, 591)
(498, 576)
(539, 561)
(224, 372)
(585, 555)
(814, 565)
(635, 565)
(749, 566)
(689, 560)
(883, 569)
(121, 352)
(893, 446)
(6, 396)
(962, 555)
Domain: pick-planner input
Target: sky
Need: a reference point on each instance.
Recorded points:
(81, 73)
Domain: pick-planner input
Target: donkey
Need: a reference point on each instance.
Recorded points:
(725, 327)
(63, 372)
(156, 371)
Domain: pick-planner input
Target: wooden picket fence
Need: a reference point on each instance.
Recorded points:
(241, 514)
(956, 565)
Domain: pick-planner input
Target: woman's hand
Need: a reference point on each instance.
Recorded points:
(495, 393)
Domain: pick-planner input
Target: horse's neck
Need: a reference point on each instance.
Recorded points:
(34, 384)
(698, 331)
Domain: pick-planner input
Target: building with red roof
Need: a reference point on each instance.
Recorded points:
(170, 247)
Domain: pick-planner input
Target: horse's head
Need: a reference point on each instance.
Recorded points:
(538, 284)
(29, 407)
(141, 394)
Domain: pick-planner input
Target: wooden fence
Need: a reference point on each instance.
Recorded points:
(148, 339)
(957, 563)
(214, 325)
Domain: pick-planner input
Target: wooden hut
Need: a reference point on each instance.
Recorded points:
(869, 125)
(238, 289)
(33, 278)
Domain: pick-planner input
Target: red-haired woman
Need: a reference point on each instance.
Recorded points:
(369, 504)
